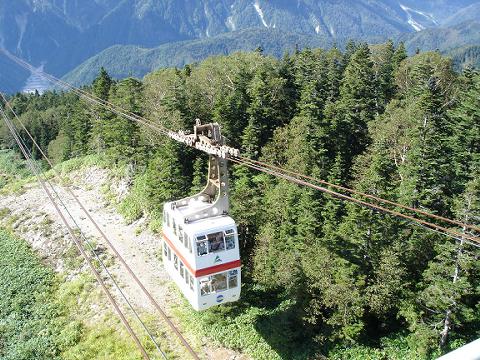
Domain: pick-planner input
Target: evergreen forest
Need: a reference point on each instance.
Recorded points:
(325, 277)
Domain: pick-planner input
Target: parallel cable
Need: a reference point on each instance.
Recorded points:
(356, 192)
(109, 243)
(90, 246)
(74, 237)
(446, 231)
(88, 96)
(278, 173)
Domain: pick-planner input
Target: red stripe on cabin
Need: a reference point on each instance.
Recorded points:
(218, 268)
(204, 271)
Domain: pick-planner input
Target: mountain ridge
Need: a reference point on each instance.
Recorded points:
(61, 35)
(122, 61)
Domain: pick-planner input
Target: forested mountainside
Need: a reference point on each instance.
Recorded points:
(469, 13)
(466, 56)
(122, 61)
(320, 276)
(443, 39)
(61, 34)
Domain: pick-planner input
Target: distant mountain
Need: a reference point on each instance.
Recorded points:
(62, 34)
(467, 56)
(469, 13)
(122, 61)
(128, 60)
(444, 39)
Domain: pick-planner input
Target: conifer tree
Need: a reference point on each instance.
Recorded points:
(335, 68)
(79, 128)
(199, 174)
(121, 136)
(465, 131)
(449, 286)
(355, 108)
(163, 178)
(428, 161)
(267, 109)
(101, 89)
(399, 55)
(384, 64)
(231, 109)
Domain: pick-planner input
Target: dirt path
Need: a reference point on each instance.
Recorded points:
(31, 210)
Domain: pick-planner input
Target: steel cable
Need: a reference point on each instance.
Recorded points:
(74, 237)
(109, 243)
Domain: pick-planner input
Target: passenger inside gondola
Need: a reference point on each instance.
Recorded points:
(215, 242)
(219, 282)
(230, 239)
(201, 246)
(204, 286)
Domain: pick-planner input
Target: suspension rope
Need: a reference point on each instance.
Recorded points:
(75, 239)
(85, 240)
(356, 192)
(109, 243)
(275, 171)
(446, 231)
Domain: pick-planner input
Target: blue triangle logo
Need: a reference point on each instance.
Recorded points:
(217, 259)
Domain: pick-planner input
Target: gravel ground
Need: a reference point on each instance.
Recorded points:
(34, 218)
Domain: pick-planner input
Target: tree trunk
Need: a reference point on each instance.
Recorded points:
(447, 323)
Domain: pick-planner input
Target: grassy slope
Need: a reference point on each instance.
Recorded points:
(30, 323)
(44, 315)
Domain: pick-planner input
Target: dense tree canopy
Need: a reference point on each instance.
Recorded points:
(406, 129)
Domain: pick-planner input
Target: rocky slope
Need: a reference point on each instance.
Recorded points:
(61, 34)
(32, 217)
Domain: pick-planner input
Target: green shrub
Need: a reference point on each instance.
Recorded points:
(31, 322)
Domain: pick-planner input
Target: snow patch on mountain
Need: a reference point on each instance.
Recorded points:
(316, 24)
(260, 13)
(332, 30)
(22, 21)
(231, 24)
(416, 26)
(36, 82)
(412, 14)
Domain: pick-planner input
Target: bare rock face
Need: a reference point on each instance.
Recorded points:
(60, 35)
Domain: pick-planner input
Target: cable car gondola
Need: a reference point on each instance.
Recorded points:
(200, 241)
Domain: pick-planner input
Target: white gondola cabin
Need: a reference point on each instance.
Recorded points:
(200, 241)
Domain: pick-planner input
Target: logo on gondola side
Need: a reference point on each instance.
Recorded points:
(217, 259)
(219, 298)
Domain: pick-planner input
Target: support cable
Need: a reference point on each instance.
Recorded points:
(373, 197)
(74, 237)
(278, 173)
(89, 244)
(109, 243)
(446, 231)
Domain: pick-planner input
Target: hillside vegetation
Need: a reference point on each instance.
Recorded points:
(62, 35)
(467, 56)
(47, 314)
(122, 61)
(43, 317)
(320, 276)
(31, 323)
